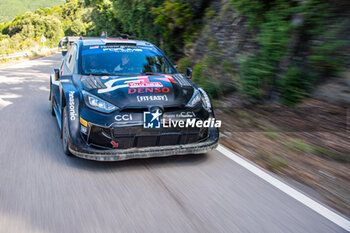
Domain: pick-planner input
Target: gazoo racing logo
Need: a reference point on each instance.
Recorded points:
(72, 112)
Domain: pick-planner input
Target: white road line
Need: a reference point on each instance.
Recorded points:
(317, 207)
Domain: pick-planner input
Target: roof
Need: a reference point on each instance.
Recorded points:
(118, 41)
(86, 41)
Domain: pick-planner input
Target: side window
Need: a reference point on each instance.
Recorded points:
(61, 68)
(70, 62)
(64, 68)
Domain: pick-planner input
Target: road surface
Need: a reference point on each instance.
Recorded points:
(42, 190)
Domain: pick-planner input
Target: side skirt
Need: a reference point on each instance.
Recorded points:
(58, 117)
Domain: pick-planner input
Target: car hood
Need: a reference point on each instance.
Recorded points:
(140, 91)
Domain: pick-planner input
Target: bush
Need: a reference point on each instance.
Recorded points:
(263, 73)
(183, 63)
(326, 59)
(294, 86)
(77, 28)
(201, 76)
(25, 31)
(255, 76)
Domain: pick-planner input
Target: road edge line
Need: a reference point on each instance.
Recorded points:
(292, 192)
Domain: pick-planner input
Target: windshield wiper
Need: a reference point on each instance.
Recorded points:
(152, 73)
(106, 74)
(99, 74)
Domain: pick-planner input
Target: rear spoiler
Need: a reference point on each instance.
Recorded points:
(67, 41)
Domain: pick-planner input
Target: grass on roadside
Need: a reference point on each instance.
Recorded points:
(273, 162)
(298, 145)
(270, 133)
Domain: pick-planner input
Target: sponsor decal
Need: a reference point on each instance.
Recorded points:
(167, 78)
(138, 82)
(180, 115)
(152, 98)
(145, 84)
(123, 117)
(83, 129)
(122, 49)
(73, 114)
(148, 90)
(152, 120)
(83, 122)
(186, 123)
(114, 144)
(105, 77)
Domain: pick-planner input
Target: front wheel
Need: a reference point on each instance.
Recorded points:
(65, 134)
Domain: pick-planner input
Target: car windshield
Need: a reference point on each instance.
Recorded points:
(102, 60)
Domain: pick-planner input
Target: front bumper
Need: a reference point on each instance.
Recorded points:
(86, 152)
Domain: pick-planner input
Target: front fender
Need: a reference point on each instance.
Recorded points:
(71, 99)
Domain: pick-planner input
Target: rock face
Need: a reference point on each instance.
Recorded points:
(220, 45)
(225, 40)
(225, 36)
(335, 90)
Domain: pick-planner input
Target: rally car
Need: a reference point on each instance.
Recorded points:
(117, 99)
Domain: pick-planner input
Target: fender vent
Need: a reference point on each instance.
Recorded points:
(92, 82)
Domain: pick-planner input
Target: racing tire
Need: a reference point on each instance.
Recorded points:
(65, 133)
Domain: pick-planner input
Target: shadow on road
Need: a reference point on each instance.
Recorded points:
(183, 160)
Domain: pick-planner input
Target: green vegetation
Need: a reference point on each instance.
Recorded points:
(24, 31)
(183, 64)
(202, 76)
(298, 43)
(271, 134)
(294, 84)
(9, 9)
(262, 73)
(274, 163)
(297, 146)
(244, 114)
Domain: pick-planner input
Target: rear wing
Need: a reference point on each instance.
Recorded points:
(67, 41)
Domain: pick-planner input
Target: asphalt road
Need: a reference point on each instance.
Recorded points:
(42, 190)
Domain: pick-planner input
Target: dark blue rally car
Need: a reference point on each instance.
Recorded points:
(117, 99)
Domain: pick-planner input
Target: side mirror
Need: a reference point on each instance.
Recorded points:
(56, 73)
(64, 52)
(175, 66)
(188, 73)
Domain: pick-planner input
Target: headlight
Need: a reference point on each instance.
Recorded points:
(206, 100)
(98, 104)
(196, 98)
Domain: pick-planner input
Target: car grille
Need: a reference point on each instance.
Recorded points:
(137, 136)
